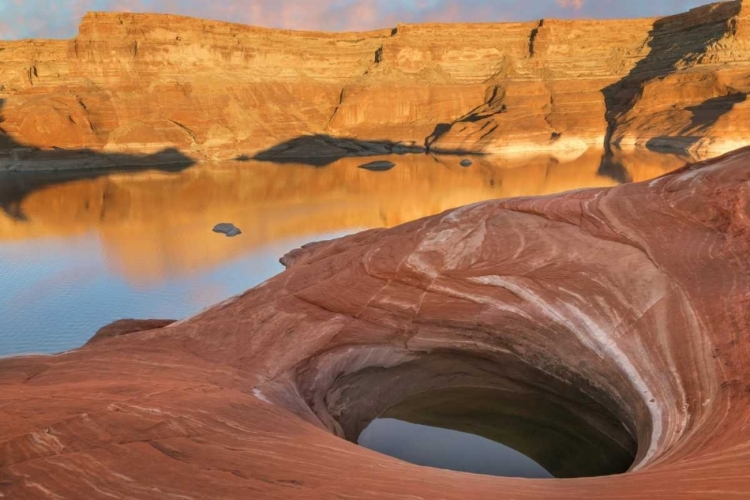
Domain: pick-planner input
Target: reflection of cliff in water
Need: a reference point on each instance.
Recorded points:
(155, 224)
(68, 164)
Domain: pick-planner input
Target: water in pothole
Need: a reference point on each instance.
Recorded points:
(447, 449)
(502, 433)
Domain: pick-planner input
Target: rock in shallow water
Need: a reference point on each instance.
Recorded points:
(378, 166)
(626, 307)
(227, 228)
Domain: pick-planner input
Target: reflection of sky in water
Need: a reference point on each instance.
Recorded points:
(447, 449)
(90, 250)
(56, 292)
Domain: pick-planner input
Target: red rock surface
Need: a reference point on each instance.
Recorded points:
(138, 84)
(127, 326)
(628, 305)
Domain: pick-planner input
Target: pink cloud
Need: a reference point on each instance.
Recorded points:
(570, 4)
(59, 19)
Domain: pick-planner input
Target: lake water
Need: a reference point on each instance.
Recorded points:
(79, 250)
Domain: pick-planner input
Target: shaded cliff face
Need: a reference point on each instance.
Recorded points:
(624, 308)
(142, 83)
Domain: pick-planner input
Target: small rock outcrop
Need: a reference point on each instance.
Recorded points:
(128, 326)
(378, 166)
(227, 228)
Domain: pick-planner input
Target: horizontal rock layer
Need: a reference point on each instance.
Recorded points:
(136, 88)
(627, 307)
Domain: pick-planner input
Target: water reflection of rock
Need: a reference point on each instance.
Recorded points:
(153, 225)
(532, 421)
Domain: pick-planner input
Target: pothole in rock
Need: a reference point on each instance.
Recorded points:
(486, 431)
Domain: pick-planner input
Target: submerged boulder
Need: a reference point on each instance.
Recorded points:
(227, 228)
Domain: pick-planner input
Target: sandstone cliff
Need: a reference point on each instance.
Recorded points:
(155, 88)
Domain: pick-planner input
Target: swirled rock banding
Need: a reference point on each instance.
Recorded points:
(634, 299)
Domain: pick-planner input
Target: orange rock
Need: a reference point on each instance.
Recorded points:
(137, 84)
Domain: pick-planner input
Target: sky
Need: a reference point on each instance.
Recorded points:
(59, 18)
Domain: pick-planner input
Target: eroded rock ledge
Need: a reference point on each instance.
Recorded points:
(628, 306)
(144, 89)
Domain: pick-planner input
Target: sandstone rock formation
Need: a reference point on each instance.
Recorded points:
(625, 308)
(127, 326)
(135, 85)
(378, 165)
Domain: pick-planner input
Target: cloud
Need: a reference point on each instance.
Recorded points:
(60, 18)
(570, 4)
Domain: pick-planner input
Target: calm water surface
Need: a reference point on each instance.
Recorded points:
(515, 429)
(79, 251)
(448, 449)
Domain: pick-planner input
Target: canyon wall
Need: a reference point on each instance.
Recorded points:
(138, 88)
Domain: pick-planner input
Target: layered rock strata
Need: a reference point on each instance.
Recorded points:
(625, 308)
(131, 86)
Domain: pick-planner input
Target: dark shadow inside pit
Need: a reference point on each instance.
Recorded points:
(558, 419)
(535, 437)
